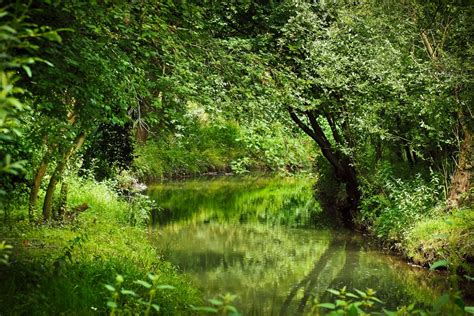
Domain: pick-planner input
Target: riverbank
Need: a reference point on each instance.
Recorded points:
(437, 238)
(63, 267)
(443, 243)
(223, 148)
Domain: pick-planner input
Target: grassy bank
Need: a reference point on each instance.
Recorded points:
(63, 269)
(408, 213)
(447, 236)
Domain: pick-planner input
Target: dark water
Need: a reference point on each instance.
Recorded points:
(263, 240)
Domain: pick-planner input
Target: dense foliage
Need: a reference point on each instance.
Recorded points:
(372, 98)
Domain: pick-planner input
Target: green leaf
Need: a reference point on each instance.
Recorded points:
(353, 311)
(459, 302)
(376, 300)
(341, 303)
(362, 294)
(333, 291)
(53, 36)
(327, 305)
(128, 292)
(156, 307)
(469, 309)
(205, 309)
(8, 29)
(441, 301)
(27, 70)
(389, 313)
(119, 278)
(143, 283)
(231, 309)
(111, 304)
(15, 102)
(152, 277)
(165, 287)
(439, 264)
(214, 301)
(109, 287)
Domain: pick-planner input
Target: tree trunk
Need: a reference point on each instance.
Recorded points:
(61, 211)
(58, 172)
(344, 170)
(462, 177)
(37, 183)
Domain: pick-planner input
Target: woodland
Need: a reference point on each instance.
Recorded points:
(369, 102)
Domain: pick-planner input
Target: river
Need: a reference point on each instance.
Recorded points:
(266, 240)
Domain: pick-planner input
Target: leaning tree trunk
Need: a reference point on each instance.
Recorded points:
(343, 169)
(33, 203)
(57, 174)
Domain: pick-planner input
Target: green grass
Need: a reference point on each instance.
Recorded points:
(447, 236)
(43, 280)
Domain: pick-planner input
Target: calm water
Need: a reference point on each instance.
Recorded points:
(263, 240)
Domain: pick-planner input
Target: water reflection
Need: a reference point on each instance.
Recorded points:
(252, 237)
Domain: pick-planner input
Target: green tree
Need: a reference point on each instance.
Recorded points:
(19, 43)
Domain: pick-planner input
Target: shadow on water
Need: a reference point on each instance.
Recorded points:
(267, 241)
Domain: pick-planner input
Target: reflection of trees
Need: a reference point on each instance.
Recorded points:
(276, 201)
(216, 235)
(327, 268)
(308, 282)
(251, 260)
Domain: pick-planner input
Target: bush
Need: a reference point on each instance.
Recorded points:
(112, 200)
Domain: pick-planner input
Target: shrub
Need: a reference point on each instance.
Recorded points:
(392, 212)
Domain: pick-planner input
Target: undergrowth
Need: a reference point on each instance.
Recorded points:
(407, 212)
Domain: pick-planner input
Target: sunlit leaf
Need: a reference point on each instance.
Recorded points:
(27, 70)
(327, 305)
(333, 291)
(215, 301)
(439, 264)
(469, 309)
(165, 287)
(143, 283)
(128, 292)
(109, 287)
